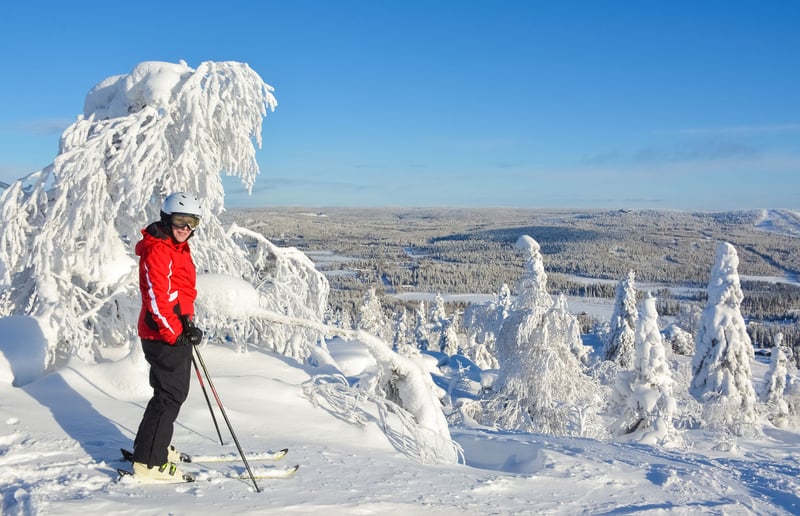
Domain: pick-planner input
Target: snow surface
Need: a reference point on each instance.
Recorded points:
(60, 435)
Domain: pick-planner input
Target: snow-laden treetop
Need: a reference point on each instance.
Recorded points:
(527, 245)
(151, 83)
(532, 286)
(724, 285)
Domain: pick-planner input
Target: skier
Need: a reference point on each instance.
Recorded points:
(167, 283)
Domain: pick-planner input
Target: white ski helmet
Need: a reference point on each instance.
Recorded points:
(180, 202)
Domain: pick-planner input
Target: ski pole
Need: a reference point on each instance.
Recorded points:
(208, 401)
(224, 415)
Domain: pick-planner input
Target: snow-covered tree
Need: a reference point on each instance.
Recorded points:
(345, 320)
(370, 315)
(689, 319)
(421, 333)
(531, 303)
(402, 338)
(438, 312)
(620, 345)
(408, 385)
(680, 340)
(437, 320)
(288, 285)
(482, 322)
(448, 343)
(647, 390)
(722, 379)
(775, 379)
(545, 388)
(481, 353)
(772, 393)
(400, 386)
(67, 232)
(542, 386)
(791, 394)
(339, 317)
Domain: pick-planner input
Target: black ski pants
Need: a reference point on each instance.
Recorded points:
(170, 372)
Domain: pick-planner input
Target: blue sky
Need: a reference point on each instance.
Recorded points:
(669, 105)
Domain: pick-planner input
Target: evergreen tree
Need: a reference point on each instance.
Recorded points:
(481, 353)
(437, 320)
(647, 390)
(401, 333)
(340, 318)
(620, 344)
(421, 333)
(370, 315)
(438, 311)
(482, 323)
(772, 393)
(542, 386)
(531, 303)
(681, 341)
(722, 379)
(449, 339)
(689, 319)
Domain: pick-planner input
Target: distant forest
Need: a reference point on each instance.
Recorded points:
(468, 251)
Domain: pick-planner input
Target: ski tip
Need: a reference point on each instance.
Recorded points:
(292, 470)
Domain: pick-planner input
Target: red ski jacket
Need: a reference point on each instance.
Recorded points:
(167, 283)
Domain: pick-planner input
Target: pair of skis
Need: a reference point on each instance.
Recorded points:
(270, 473)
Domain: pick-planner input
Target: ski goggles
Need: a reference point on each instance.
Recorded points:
(182, 220)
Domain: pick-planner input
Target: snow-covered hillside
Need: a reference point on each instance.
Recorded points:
(60, 435)
(786, 222)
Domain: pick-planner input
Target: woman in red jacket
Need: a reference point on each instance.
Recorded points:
(167, 283)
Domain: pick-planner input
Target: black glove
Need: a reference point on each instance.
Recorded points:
(191, 333)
